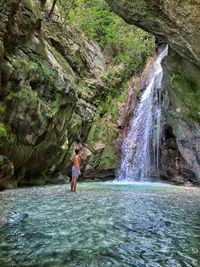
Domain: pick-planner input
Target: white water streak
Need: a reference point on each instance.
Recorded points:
(141, 147)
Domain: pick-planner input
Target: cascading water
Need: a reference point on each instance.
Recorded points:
(140, 150)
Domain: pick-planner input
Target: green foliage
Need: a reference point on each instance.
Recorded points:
(3, 131)
(109, 105)
(63, 63)
(109, 159)
(42, 70)
(124, 43)
(36, 67)
(2, 109)
(126, 46)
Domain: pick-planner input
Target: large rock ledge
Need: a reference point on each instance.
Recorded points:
(176, 22)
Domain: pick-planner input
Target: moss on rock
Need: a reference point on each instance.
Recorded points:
(182, 109)
(3, 131)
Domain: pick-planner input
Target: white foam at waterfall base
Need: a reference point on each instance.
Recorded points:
(140, 149)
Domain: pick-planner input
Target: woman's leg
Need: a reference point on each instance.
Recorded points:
(72, 183)
(75, 181)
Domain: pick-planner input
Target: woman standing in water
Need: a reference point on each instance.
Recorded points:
(75, 170)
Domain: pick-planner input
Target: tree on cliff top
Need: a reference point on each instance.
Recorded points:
(52, 9)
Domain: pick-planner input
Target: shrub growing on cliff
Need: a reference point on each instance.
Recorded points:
(123, 43)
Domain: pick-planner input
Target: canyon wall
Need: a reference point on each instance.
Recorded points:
(52, 98)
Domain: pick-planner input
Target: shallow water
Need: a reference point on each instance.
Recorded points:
(103, 224)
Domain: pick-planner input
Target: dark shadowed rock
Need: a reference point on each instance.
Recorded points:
(6, 172)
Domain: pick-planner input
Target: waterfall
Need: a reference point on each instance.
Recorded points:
(140, 149)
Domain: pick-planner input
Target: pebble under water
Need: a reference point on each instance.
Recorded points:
(103, 224)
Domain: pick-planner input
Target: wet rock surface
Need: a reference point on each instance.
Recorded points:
(182, 108)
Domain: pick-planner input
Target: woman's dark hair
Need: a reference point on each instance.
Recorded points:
(77, 151)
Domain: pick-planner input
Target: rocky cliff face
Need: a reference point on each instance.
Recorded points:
(182, 108)
(54, 93)
(177, 23)
(51, 94)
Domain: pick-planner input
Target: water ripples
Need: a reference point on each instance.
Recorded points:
(101, 225)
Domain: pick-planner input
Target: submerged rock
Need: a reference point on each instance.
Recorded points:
(12, 217)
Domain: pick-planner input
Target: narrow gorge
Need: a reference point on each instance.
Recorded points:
(61, 89)
(99, 133)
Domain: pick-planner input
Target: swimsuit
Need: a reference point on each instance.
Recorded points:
(75, 172)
